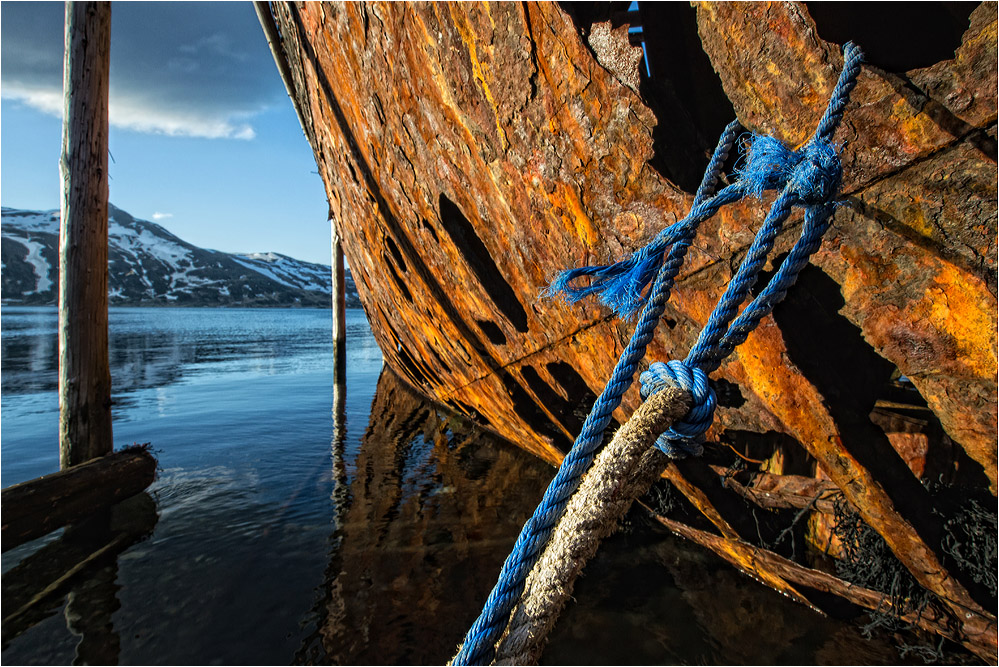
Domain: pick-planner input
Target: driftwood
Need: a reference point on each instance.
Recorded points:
(39, 506)
(783, 491)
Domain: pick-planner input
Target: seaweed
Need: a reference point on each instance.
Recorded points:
(969, 535)
(869, 562)
(968, 543)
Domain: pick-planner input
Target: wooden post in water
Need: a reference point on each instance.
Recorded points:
(339, 311)
(84, 371)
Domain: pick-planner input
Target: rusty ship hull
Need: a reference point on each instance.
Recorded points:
(471, 151)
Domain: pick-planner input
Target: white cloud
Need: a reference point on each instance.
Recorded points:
(160, 216)
(44, 99)
(141, 116)
(136, 114)
(216, 44)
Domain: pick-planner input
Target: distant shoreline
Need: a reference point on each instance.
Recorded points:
(7, 304)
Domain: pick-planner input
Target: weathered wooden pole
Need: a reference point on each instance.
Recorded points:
(339, 311)
(84, 372)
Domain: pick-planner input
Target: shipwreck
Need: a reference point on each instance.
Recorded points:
(471, 151)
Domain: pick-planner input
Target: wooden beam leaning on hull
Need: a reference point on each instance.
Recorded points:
(844, 442)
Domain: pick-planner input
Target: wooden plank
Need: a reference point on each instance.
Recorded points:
(38, 506)
(693, 479)
(782, 491)
(84, 371)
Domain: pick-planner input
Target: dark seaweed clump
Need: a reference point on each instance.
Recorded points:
(969, 545)
(969, 541)
(869, 562)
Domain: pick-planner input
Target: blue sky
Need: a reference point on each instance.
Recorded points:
(204, 139)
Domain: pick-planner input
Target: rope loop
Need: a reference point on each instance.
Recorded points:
(812, 173)
(683, 438)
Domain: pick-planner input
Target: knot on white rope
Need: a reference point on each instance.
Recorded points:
(682, 439)
(813, 172)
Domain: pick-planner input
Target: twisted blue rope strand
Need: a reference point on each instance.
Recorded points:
(811, 179)
(811, 185)
(703, 354)
(479, 644)
(816, 224)
(853, 58)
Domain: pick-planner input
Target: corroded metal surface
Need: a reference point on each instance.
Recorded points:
(470, 151)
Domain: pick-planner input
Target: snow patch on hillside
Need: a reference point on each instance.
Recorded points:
(31, 221)
(39, 264)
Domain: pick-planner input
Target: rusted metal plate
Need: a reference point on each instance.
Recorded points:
(472, 150)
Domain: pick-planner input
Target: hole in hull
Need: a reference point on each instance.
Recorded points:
(896, 37)
(492, 332)
(481, 263)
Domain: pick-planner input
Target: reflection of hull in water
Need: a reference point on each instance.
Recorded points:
(428, 510)
(491, 145)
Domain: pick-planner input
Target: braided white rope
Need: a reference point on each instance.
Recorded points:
(622, 472)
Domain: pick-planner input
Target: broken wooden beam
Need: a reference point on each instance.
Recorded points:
(783, 491)
(31, 587)
(39, 506)
(692, 477)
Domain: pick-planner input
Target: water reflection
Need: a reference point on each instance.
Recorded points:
(287, 534)
(77, 569)
(429, 509)
(152, 347)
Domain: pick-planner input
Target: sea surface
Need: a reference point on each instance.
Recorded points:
(290, 523)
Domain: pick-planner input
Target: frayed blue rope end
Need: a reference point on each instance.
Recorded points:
(621, 286)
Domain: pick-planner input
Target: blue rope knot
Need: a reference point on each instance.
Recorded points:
(813, 172)
(682, 439)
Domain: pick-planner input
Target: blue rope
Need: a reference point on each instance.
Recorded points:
(479, 644)
(808, 178)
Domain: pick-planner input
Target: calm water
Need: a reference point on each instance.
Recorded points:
(290, 528)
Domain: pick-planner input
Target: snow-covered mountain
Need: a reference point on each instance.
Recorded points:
(150, 266)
